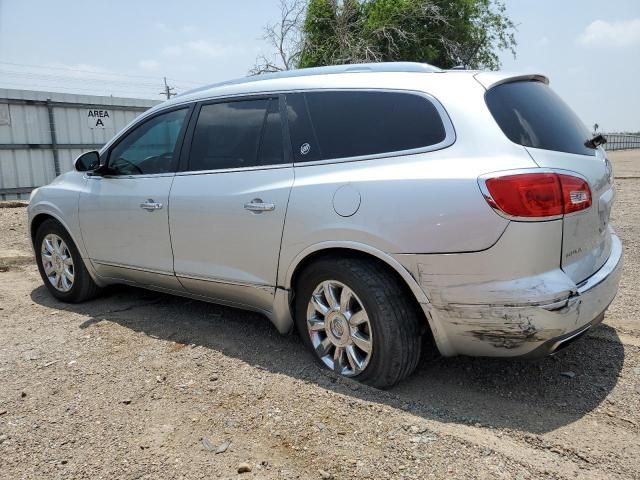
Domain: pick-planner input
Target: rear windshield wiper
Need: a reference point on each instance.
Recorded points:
(595, 141)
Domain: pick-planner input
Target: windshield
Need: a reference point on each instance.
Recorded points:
(531, 114)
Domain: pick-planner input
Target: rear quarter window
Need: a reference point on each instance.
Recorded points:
(341, 124)
(531, 114)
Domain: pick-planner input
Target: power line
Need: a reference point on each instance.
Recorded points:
(95, 72)
(168, 91)
(73, 89)
(29, 80)
(77, 79)
(66, 78)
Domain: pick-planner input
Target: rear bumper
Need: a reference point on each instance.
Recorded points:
(530, 329)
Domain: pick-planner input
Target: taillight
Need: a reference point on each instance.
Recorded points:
(534, 195)
(575, 193)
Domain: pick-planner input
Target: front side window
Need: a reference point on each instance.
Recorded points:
(237, 134)
(151, 147)
(531, 114)
(340, 124)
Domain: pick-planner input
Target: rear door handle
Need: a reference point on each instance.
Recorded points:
(150, 205)
(258, 206)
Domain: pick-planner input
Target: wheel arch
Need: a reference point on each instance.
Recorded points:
(38, 220)
(352, 249)
(40, 217)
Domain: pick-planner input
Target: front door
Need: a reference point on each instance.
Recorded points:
(124, 213)
(227, 209)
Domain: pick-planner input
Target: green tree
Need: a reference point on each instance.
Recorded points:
(445, 33)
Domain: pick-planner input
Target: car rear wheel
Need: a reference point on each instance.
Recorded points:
(358, 321)
(60, 264)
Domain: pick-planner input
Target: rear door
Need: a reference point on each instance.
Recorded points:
(228, 205)
(532, 115)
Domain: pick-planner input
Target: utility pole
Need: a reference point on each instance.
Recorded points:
(168, 91)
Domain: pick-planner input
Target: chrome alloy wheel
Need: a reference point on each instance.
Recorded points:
(57, 262)
(339, 328)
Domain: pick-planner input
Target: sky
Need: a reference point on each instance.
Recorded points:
(589, 49)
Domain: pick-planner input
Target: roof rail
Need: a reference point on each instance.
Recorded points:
(409, 67)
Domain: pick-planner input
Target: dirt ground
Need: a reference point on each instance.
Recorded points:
(138, 385)
(626, 163)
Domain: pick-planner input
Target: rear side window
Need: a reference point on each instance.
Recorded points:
(237, 134)
(531, 114)
(328, 125)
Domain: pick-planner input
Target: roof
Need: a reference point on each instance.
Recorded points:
(407, 67)
(377, 75)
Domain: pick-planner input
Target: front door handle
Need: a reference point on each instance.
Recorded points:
(150, 205)
(258, 206)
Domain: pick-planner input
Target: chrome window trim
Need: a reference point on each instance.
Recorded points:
(482, 179)
(232, 170)
(449, 139)
(129, 177)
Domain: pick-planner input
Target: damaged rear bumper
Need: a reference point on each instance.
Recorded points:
(531, 329)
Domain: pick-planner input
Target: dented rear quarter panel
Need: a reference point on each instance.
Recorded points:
(485, 303)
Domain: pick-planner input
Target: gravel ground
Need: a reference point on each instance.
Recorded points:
(13, 229)
(626, 163)
(137, 385)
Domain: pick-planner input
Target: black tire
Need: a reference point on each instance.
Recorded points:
(83, 287)
(396, 323)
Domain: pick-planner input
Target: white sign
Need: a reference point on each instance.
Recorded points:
(97, 118)
(5, 117)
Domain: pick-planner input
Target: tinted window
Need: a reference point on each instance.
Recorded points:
(327, 125)
(149, 148)
(271, 152)
(237, 134)
(531, 114)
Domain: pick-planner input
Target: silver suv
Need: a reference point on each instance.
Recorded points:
(380, 209)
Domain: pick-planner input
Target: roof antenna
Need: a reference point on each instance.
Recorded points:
(474, 52)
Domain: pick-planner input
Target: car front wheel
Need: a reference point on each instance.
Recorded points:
(60, 264)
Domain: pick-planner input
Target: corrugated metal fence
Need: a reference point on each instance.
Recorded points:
(41, 133)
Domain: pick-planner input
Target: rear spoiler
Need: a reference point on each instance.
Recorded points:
(491, 79)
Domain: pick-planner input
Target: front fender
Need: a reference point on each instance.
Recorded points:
(51, 210)
(69, 220)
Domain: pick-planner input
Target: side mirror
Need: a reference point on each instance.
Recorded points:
(88, 161)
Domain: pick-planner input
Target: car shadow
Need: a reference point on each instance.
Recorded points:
(530, 396)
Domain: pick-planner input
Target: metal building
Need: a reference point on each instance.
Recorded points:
(41, 133)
